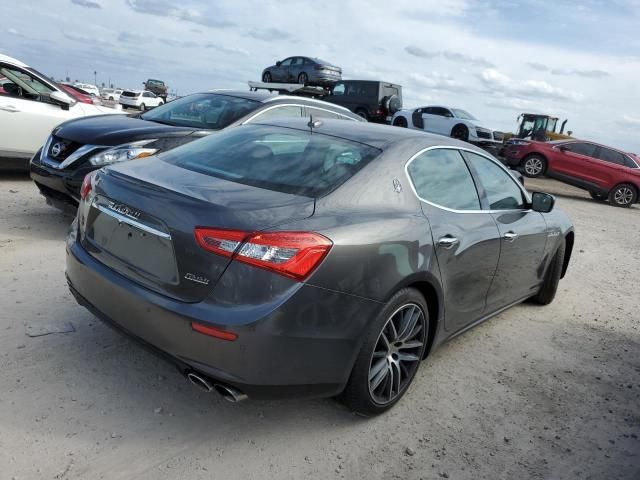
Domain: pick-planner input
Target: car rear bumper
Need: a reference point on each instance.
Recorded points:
(304, 346)
(324, 78)
(129, 103)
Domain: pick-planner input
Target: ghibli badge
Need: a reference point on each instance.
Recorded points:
(197, 278)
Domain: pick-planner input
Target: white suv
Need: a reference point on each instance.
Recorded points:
(31, 105)
(141, 99)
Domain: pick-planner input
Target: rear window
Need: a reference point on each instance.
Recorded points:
(130, 94)
(275, 158)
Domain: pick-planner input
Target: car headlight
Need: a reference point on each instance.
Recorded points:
(121, 153)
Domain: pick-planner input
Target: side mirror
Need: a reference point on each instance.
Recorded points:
(62, 99)
(563, 148)
(278, 63)
(542, 202)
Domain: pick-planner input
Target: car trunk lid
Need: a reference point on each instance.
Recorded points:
(142, 217)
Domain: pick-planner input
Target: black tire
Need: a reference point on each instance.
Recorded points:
(361, 112)
(266, 77)
(160, 103)
(303, 78)
(358, 394)
(400, 122)
(111, 98)
(460, 132)
(623, 195)
(143, 107)
(551, 280)
(598, 197)
(534, 166)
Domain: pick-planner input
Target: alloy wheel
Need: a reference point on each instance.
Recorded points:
(623, 196)
(533, 166)
(396, 355)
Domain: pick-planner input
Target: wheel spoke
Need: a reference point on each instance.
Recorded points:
(390, 383)
(410, 324)
(375, 369)
(375, 383)
(408, 357)
(396, 378)
(394, 332)
(408, 345)
(385, 341)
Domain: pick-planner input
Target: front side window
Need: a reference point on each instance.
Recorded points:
(296, 61)
(21, 84)
(286, 63)
(338, 89)
(275, 158)
(202, 110)
(459, 113)
(586, 149)
(441, 177)
(501, 189)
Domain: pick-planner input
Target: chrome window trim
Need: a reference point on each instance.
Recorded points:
(71, 159)
(294, 98)
(632, 160)
(447, 147)
(293, 105)
(131, 222)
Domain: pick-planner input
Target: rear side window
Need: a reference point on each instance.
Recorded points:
(441, 177)
(279, 112)
(611, 156)
(274, 158)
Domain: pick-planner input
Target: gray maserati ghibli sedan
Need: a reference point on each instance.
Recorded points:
(311, 258)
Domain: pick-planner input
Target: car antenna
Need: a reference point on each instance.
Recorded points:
(313, 124)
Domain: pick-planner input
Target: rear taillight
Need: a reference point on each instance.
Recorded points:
(292, 254)
(87, 184)
(213, 332)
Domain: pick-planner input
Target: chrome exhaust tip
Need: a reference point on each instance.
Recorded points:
(229, 393)
(200, 382)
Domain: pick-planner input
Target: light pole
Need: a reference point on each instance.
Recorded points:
(95, 77)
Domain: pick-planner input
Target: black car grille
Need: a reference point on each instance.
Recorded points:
(483, 134)
(60, 149)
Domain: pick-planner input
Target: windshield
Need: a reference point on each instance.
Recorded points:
(463, 114)
(202, 110)
(551, 126)
(275, 158)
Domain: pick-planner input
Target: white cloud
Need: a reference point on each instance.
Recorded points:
(494, 79)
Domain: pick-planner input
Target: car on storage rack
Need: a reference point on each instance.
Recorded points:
(373, 100)
(302, 70)
(606, 173)
(158, 87)
(31, 105)
(77, 148)
(242, 255)
(452, 122)
(141, 99)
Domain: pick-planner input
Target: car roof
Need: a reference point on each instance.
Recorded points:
(372, 134)
(16, 62)
(579, 140)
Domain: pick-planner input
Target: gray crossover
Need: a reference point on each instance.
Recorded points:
(311, 259)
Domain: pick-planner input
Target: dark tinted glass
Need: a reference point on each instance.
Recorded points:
(274, 158)
(586, 149)
(611, 156)
(503, 193)
(629, 163)
(202, 110)
(441, 177)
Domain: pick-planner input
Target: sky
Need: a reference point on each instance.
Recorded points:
(575, 59)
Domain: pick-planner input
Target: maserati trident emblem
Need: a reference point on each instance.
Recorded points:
(57, 149)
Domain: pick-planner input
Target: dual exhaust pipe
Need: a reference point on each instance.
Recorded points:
(228, 393)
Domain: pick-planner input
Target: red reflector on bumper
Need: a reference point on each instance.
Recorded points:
(213, 332)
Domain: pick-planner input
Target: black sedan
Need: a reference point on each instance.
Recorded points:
(303, 70)
(311, 258)
(80, 146)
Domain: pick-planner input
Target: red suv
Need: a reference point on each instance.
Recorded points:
(605, 172)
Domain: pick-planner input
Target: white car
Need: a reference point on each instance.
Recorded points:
(111, 94)
(31, 105)
(87, 87)
(452, 122)
(141, 99)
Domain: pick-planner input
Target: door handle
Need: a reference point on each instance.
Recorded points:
(510, 236)
(448, 242)
(10, 108)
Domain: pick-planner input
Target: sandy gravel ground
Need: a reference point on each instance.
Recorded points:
(537, 392)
